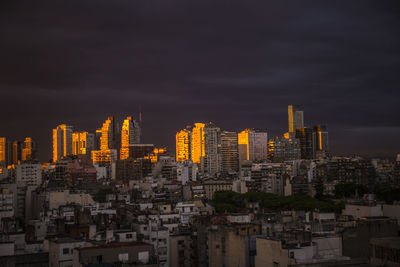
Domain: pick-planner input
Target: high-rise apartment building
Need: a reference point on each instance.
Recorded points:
(282, 149)
(62, 141)
(110, 143)
(296, 118)
(130, 134)
(253, 145)
(305, 136)
(28, 150)
(16, 152)
(212, 149)
(320, 140)
(183, 148)
(230, 152)
(82, 143)
(3, 149)
(197, 144)
(109, 135)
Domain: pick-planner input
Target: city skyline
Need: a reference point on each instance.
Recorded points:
(338, 61)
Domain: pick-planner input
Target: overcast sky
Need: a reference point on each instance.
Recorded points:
(236, 63)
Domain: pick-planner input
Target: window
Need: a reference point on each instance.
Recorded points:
(65, 251)
(128, 235)
(100, 259)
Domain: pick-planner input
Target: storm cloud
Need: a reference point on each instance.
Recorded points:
(236, 63)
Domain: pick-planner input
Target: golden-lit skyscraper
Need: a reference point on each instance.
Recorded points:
(253, 145)
(198, 144)
(3, 143)
(295, 118)
(62, 141)
(16, 152)
(109, 135)
(82, 143)
(109, 148)
(28, 149)
(183, 140)
(320, 140)
(130, 134)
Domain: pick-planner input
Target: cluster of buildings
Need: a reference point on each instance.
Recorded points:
(106, 199)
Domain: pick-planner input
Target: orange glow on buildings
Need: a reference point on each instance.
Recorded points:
(127, 137)
(104, 156)
(82, 143)
(183, 145)
(107, 134)
(155, 154)
(62, 141)
(2, 151)
(243, 141)
(198, 144)
(27, 149)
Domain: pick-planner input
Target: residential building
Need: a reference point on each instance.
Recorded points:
(28, 150)
(62, 141)
(29, 174)
(305, 136)
(116, 253)
(295, 118)
(198, 143)
(320, 141)
(229, 152)
(212, 163)
(183, 145)
(130, 134)
(253, 145)
(82, 143)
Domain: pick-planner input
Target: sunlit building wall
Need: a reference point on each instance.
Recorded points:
(229, 152)
(212, 149)
(3, 142)
(130, 134)
(183, 149)
(28, 149)
(296, 118)
(107, 134)
(197, 144)
(253, 145)
(282, 149)
(104, 157)
(320, 139)
(82, 143)
(16, 152)
(62, 141)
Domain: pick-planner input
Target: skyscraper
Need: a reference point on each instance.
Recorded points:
(212, 149)
(109, 135)
(62, 141)
(16, 152)
(296, 118)
(82, 143)
(198, 142)
(183, 149)
(282, 149)
(3, 142)
(253, 145)
(28, 150)
(130, 134)
(305, 136)
(320, 140)
(230, 152)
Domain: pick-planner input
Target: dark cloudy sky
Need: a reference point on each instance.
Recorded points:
(237, 63)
